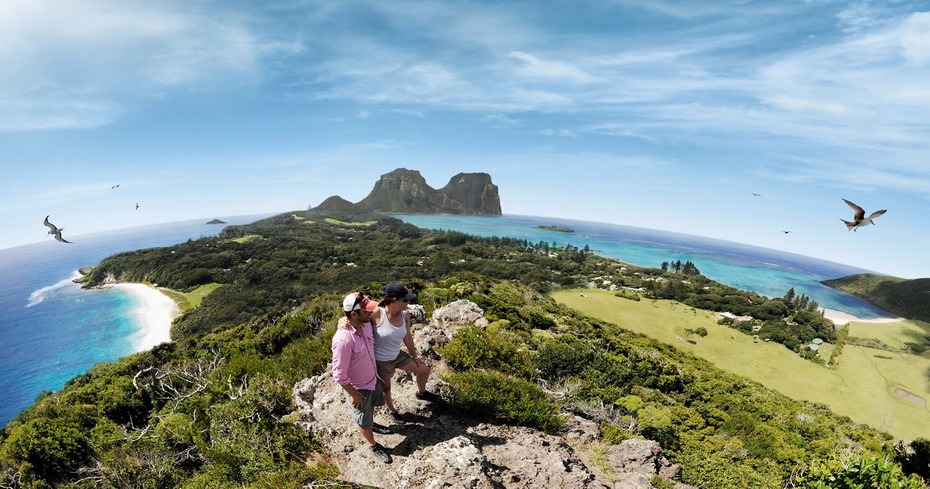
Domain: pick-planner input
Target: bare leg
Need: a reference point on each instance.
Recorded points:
(388, 399)
(422, 372)
(368, 435)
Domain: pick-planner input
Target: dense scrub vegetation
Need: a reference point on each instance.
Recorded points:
(906, 298)
(212, 408)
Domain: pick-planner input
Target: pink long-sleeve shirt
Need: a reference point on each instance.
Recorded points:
(354, 357)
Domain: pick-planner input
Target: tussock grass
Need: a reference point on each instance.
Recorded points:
(863, 386)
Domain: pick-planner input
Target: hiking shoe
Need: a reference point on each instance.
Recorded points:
(381, 429)
(427, 396)
(381, 453)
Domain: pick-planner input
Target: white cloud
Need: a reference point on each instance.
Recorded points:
(536, 68)
(914, 37)
(409, 113)
(78, 64)
(565, 133)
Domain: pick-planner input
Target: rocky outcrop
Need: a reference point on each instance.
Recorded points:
(475, 192)
(435, 448)
(337, 204)
(404, 191)
(459, 313)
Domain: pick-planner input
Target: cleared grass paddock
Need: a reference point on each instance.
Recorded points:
(882, 389)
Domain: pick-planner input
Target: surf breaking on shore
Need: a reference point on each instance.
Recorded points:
(154, 313)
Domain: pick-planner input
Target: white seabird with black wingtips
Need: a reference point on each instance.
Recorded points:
(55, 231)
(859, 218)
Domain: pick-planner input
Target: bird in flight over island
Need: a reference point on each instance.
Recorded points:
(55, 231)
(115, 186)
(859, 218)
(786, 232)
(137, 206)
(757, 195)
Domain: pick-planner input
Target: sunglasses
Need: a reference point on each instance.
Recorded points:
(358, 301)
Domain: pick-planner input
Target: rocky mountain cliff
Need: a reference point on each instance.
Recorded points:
(436, 448)
(404, 191)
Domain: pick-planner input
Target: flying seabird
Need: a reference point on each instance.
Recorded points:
(757, 195)
(115, 186)
(55, 231)
(859, 218)
(786, 232)
(137, 206)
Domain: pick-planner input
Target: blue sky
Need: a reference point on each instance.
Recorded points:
(660, 114)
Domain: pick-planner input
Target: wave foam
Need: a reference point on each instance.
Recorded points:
(40, 295)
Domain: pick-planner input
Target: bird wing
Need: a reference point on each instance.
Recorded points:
(50, 225)
(878, 213)
(59, 238)
(859, 212)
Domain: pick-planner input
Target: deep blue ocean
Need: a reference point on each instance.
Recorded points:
(51, 330)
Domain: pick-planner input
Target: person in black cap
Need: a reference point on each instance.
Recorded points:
(391, 328)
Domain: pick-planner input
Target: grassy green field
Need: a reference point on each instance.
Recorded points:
(356, 224)
(189, 300)
(886, 390)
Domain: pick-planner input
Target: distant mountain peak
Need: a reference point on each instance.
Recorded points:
(404, 191)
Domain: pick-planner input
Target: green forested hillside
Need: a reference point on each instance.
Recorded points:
(211, 408)
(906, 298)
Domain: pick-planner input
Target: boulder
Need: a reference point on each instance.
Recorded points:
(460, 313)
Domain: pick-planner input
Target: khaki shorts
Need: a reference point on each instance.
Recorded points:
(364, 417)
(386, 369)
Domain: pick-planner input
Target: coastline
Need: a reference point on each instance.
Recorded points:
(154, 313)
(840, 318)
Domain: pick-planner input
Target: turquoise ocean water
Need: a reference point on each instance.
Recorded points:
(51, 330)
(761, 270)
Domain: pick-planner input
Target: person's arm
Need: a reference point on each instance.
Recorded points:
(408, 342)
(342, 355)
(357, 398)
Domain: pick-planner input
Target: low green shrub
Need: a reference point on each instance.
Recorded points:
(628, 294)
(559, 360)
(507, 398)
(866, 472)
(490, 348)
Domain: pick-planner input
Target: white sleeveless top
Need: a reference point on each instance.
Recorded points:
(389, 337)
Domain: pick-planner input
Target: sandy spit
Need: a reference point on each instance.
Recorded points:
(840, 318)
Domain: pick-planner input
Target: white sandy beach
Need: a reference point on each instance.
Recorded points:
(155, 313)
(840, 318)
